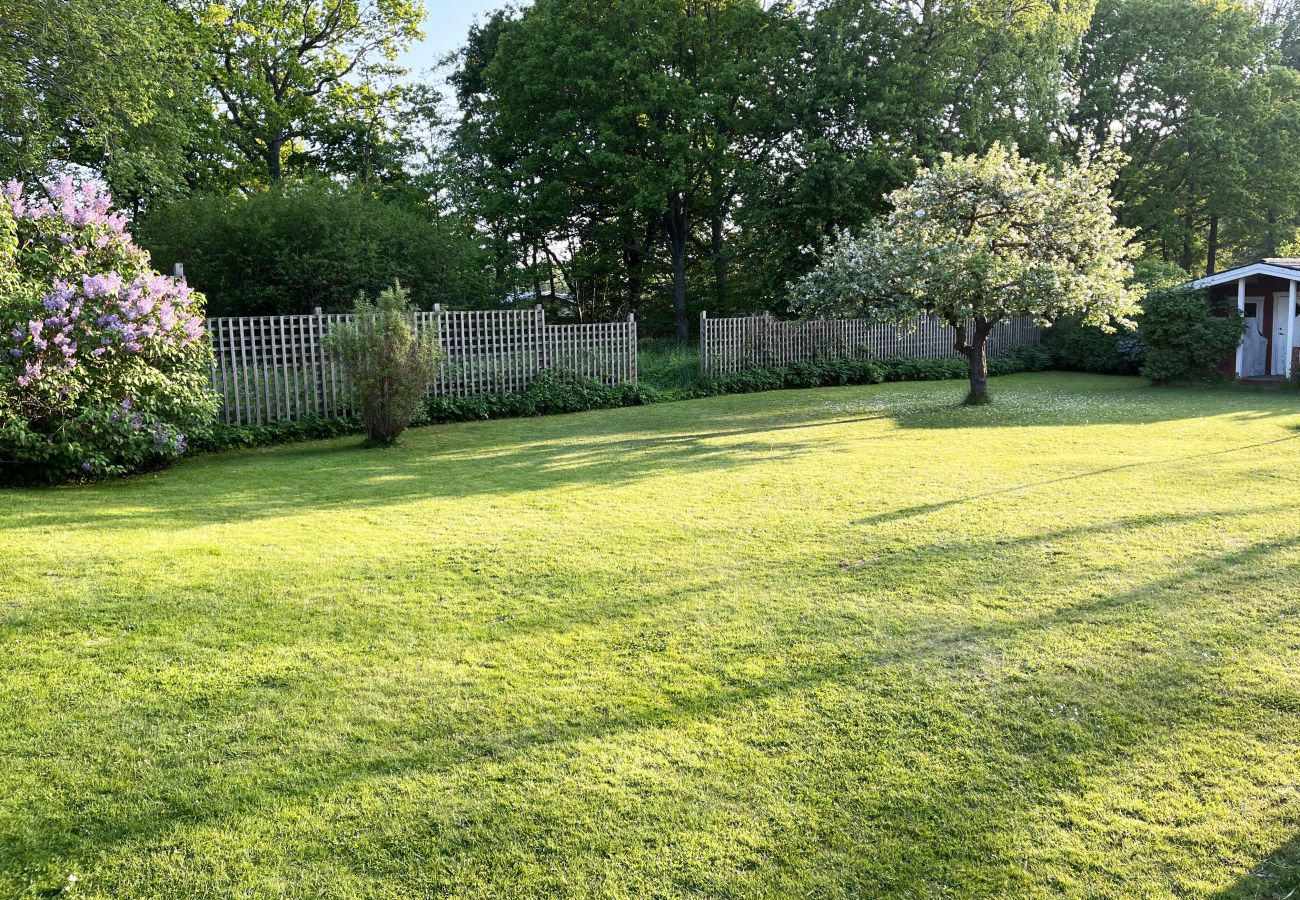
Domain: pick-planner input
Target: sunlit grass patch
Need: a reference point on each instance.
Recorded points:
(841, 642)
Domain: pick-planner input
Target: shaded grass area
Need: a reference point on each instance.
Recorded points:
(839, 642)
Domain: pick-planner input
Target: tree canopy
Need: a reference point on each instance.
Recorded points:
(977, 240)
(665, 156)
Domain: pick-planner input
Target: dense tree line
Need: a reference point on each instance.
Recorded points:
(655, 156)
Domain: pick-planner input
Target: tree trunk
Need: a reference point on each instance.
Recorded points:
(1186, 260)
(1212, 245)
(975, 348)
(979, 369)
(273, 160)
(719, 265)
(678, 236)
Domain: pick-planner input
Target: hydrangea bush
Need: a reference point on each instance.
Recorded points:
(104, 366)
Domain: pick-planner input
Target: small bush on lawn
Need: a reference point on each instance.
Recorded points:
(1185, 342)
(104, 366)
(388, 363)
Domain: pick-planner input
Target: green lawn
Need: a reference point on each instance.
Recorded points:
(851, 642)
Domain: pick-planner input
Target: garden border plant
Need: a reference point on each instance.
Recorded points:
(556, 392)
(105, 365)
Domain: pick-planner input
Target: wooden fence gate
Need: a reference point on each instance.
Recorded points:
(275, 368)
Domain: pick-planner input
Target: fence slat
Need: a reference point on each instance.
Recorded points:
(738, 343)
(273, 368)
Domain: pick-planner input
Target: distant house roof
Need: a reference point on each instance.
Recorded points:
(1287, 267)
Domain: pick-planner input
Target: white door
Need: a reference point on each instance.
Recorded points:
(1281, 349)
(1254, 346)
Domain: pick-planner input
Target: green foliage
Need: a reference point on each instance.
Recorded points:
(621, 130)
(389, 364)
(1196, 95)
(667, 365)
(221, 437)
(1077, 346)
(863, 370)
(104, 365)
(982, 239)
(1151, 273)
(289, 74)
(1183, 339)
(107, 84)
(1032, 358)
(295, 247)
(551, 392)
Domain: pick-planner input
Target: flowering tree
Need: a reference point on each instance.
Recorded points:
(104, 361)
(980, 239)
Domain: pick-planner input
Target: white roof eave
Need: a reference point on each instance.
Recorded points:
(1246, 272)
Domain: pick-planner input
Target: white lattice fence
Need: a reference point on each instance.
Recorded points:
(273, 368)
(752, 342)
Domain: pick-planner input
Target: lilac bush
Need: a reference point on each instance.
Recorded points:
(104, 366)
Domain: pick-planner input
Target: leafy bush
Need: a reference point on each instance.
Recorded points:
(1034, 358)
(105, 362)
(1079, 347)
(1183, 339)
(306, 244)
(862, 370)
(221, 437)
(555, 392)
(916, 369)
(388, 363)
(551, 392)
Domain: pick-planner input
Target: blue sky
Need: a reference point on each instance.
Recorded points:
(445, 28)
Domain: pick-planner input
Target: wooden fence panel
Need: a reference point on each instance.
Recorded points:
(749, 342)
(273, 368)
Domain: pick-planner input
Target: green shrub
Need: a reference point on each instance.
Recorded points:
(306, 244)
(1034, 358)
(388, 364)
(1078, 347)
(550, 393)
(221, 437)
(1183, 339)
(916, 369)
(861, 370)
(104, 365)
(555, 392)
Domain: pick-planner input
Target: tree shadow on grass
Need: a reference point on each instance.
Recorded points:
(1051, 761)
(608, 448)
(1067, 399)
(1274, 878)
(927, 508)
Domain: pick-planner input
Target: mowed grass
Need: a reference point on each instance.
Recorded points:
(851, 642)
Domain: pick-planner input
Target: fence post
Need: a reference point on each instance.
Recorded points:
(633, 362)
(178, 270)
(543, 341)
(704, 343)
(321, 364)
